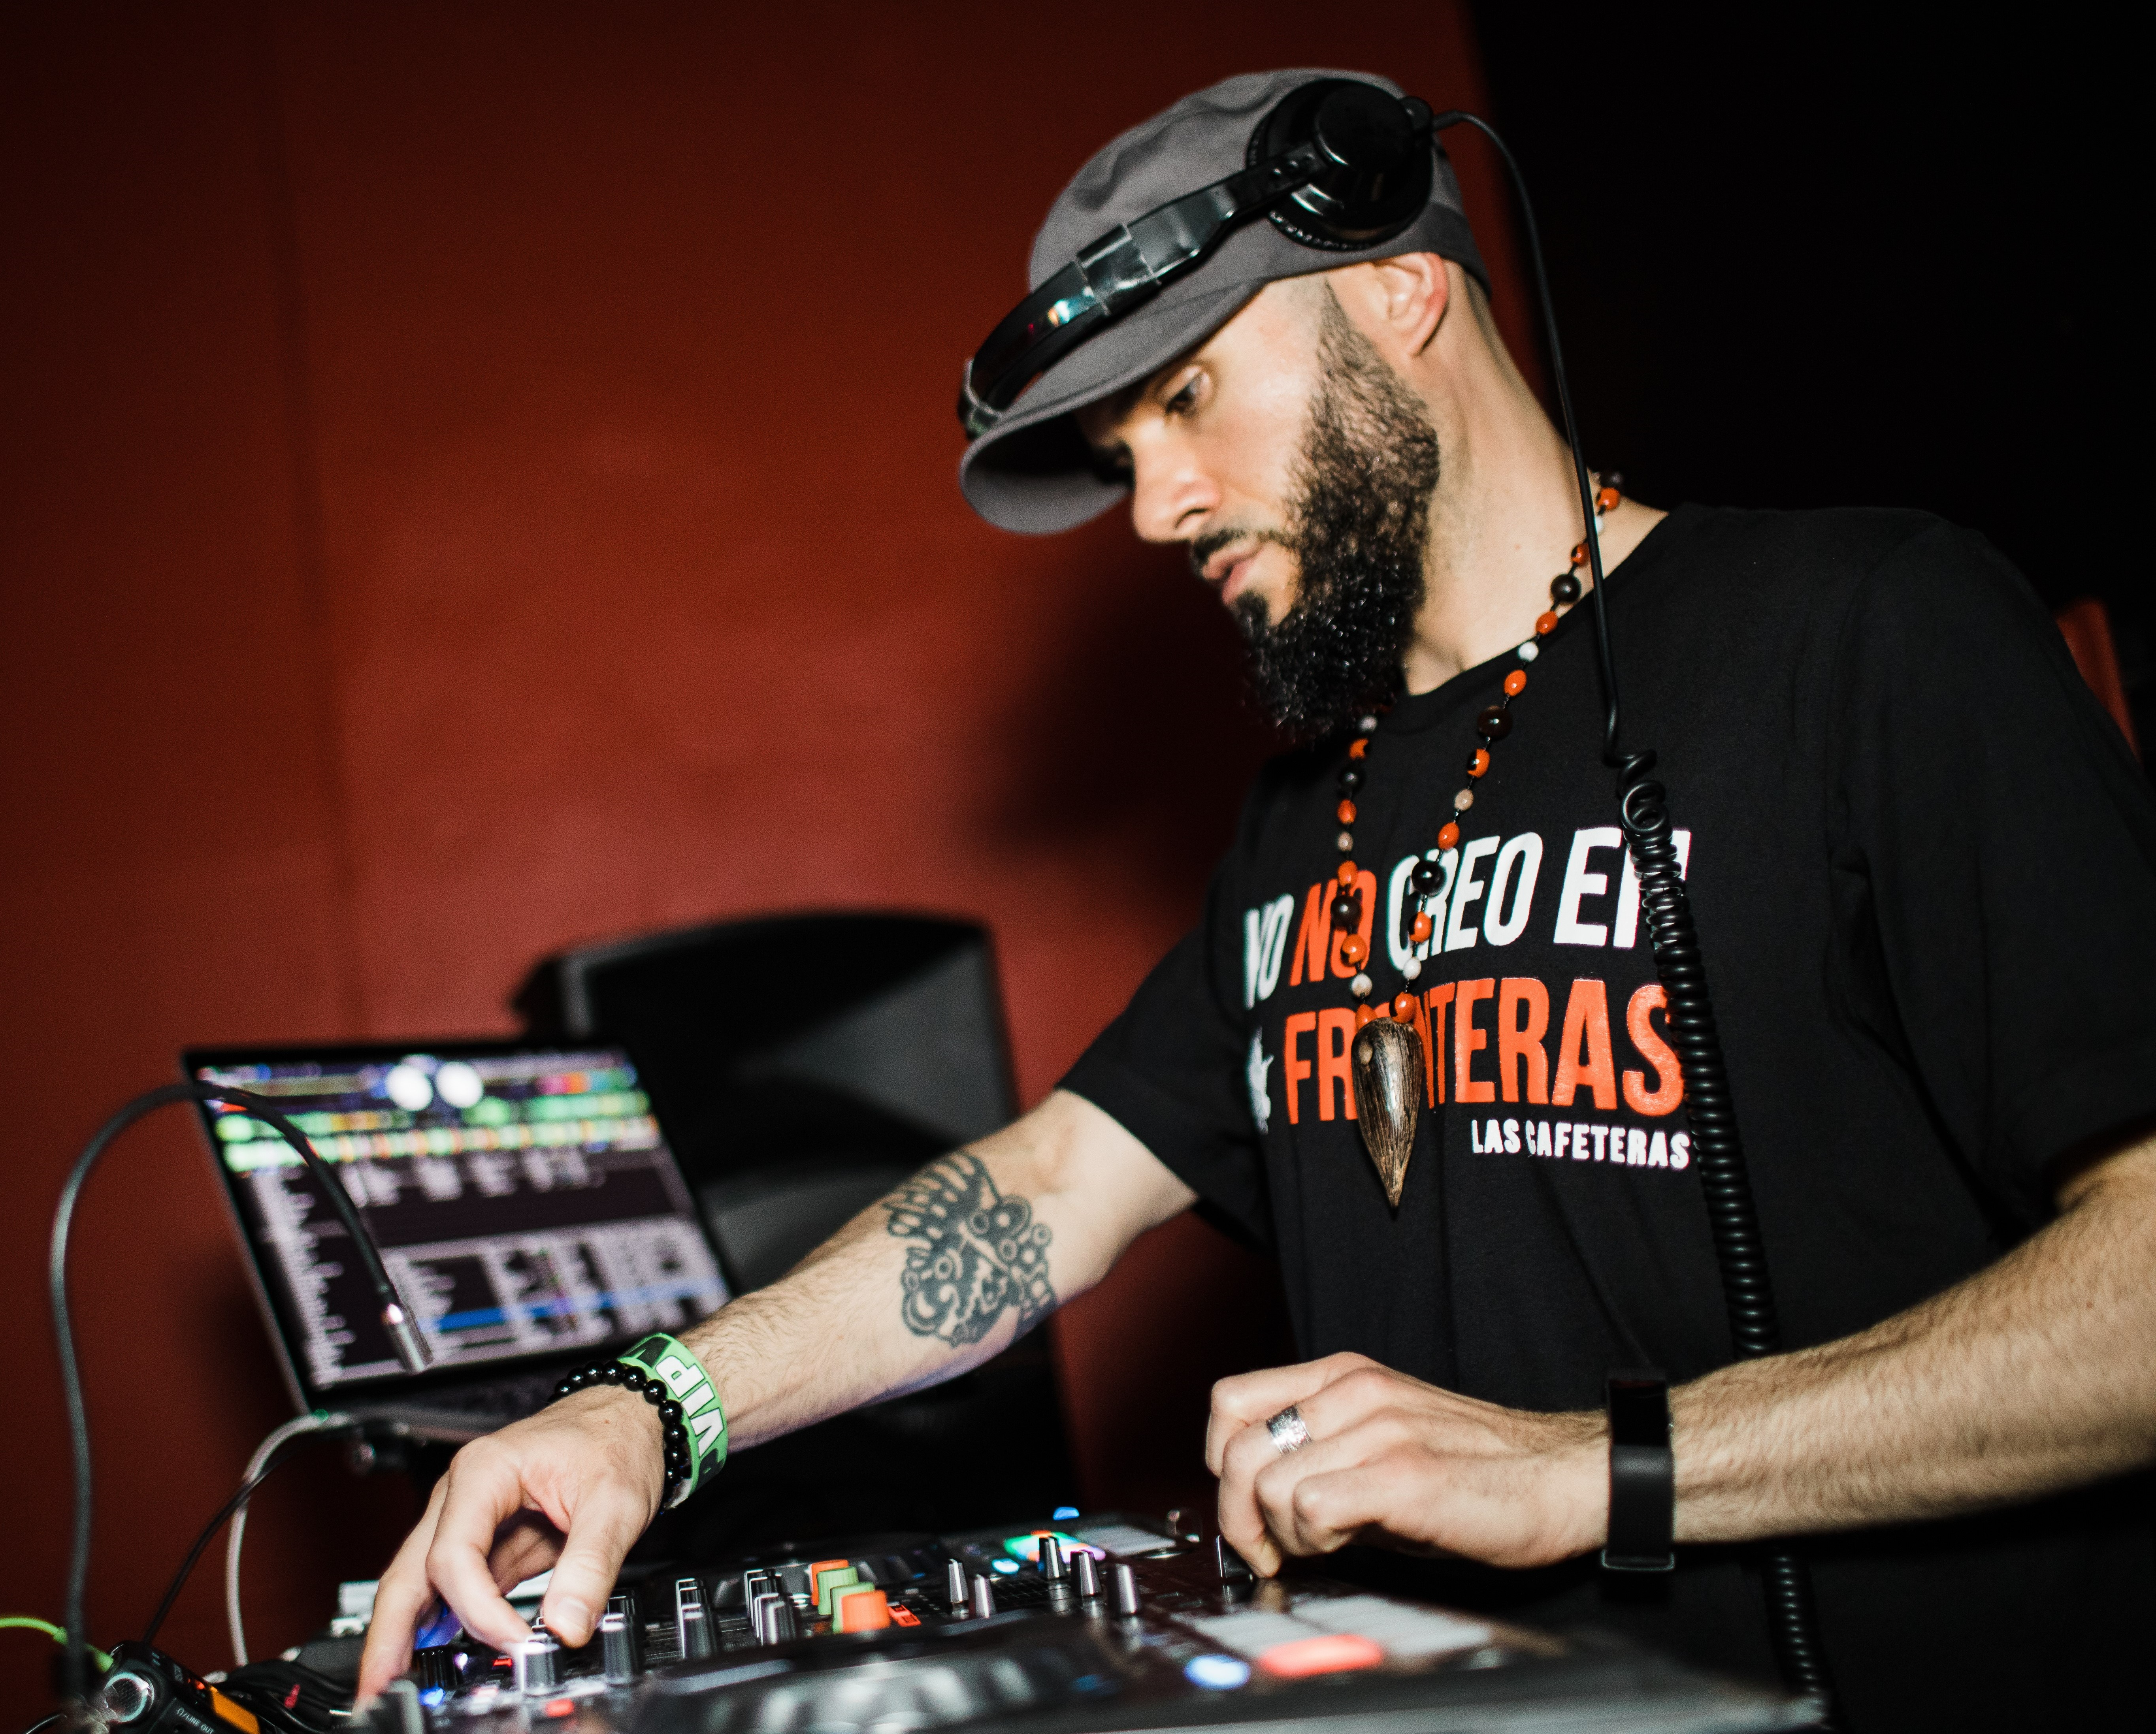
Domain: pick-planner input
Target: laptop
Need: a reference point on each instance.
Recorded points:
(523, 1196)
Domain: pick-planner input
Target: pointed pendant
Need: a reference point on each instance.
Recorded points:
(1388, 1081)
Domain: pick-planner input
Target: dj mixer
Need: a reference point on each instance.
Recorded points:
(1104, 1625)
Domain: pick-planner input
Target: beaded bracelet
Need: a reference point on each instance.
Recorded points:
(669, 1377)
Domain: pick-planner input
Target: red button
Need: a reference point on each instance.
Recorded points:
(859, 1610)
(1335, 1652)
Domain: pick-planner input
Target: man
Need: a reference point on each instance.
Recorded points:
(1923, 867)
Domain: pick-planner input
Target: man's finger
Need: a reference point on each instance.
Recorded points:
(401, 1597)
(484, 1491)
(1242, 1520)
(1325, 1510)
(1347, 1401)
(604, 1528)
(1255, 1396)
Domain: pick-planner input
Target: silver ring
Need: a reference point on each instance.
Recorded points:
(1288, 1432)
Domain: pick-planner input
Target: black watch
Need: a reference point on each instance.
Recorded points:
(1643, 1477)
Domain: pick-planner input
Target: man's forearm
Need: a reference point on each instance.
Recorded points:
(940, 1275)
(2036, 1374)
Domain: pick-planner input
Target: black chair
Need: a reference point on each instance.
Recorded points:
(803, 1065)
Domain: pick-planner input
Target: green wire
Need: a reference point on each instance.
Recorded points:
(58, 1636)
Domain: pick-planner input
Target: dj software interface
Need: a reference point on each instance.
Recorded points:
(522, 1203)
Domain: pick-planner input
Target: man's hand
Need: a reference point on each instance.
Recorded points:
(1393, 1459)
(575, 1485)
(571, 1488)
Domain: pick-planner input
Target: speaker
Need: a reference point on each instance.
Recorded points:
(803, 1066)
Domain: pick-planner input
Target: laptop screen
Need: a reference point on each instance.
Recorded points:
(524, 1200)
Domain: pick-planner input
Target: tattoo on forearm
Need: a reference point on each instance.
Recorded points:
(972, 1253)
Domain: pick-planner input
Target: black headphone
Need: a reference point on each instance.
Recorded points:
(1336, 164)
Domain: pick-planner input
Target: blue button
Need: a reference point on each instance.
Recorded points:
(1064, 1512)
(1005, 1566)
(1217, 1673)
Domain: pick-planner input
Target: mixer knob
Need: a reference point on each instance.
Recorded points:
(1227, 1562)
(692, 1623)
(760, 1611)
(780, 1626)
(954, 1587)
(984, 1598)
(1053, 1565)
(1089, 1576)
(617, 1644)
(1123, 1598)
(537, 1669)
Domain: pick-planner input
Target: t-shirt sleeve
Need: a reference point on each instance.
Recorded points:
(1173, 1069)
(2004, 838)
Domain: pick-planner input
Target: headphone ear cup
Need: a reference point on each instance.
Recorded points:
(1377, 163)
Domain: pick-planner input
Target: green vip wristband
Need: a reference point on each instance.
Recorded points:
(692, 1421)
(703, 1416)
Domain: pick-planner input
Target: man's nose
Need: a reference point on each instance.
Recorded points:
(1171, 495)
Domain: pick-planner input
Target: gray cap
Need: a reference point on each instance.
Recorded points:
(1032, 473)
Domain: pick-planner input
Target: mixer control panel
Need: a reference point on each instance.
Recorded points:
(1110, 1625)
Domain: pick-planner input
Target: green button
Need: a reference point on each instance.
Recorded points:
(831, 1584)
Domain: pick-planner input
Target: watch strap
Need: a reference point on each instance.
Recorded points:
(1643, 1480)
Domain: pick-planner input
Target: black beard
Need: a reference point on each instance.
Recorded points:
(1359, 528)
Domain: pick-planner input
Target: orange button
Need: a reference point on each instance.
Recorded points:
(859, 1610)
(1335, 1652)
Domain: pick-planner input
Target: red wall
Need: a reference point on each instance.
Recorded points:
(479, 478)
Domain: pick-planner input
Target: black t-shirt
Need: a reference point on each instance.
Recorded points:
(1922, 866)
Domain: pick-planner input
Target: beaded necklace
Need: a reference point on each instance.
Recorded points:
(1388, 1065)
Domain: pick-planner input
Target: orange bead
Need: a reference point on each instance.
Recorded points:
(1449, 837)
(1579, 555)
(1403, 1005)
(1423, 928)
(1364, 1015)
(1606, 500)
(1516, 683)
(1545, 623)
(1355, 949)
(1479, 763)
(1347, 873)
(1346, 810)
(1359, 747)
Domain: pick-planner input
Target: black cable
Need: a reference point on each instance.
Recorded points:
(210, 1529)
(1718, 1149)
(75, 1674)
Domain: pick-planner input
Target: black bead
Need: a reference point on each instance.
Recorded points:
(1428, 875)
(655, 1393)
(635, 1378)
(611, 1372)
(1565, 586)
(1494, 723)
(670, 1409)
(1351, 778)
(1343, 910)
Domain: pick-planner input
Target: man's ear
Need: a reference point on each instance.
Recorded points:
(1407, 296)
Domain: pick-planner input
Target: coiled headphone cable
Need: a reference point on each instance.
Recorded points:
(1718, 1148)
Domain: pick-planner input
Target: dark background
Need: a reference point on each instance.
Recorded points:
(1836, 256)
(475, 479)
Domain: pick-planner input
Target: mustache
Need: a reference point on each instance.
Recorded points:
(1202, 548)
